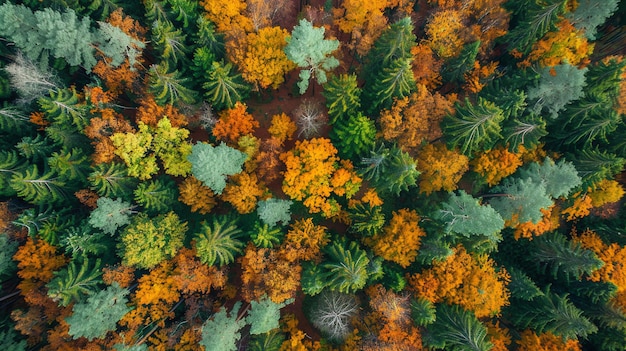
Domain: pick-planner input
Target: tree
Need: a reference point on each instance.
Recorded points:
(243, 191)
(565, 44)
(458, 330)
(464, 215)
(310, 118)
(168, 86)
(99, 314)
(558, 178)
(156, 196)
(308, 49)
(219, 242)
(400, 238)
(354, 136)
(38, 188)
(520, 200)
(529, 340)
(444, 33)
(282, 127)
(212, 164)
(440, 168)
(332, 313)
(265, 236)
(10, 164)
(272, 211)
(31, 81)
(304, 241)
(394, 81)
(111, 180)
(546, 95)
(594, 165)
(110, 215)
(74, 281)
(148, 241)
(7, 265)
(473, 127)
(168, 40)
(199, 197)
(415, 119)
(365, 219)
(264, 314)
(534, 20)
(223, 86)
(345, 268)
(234, 123)
(590, 14)
(66, 107)
(343, 96)
(222, 330)
(263, 60)
(389, 169)
(71, 165)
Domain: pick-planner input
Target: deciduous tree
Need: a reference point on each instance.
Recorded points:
(199, 197)
(400, 238)
(234, 123)
(440, 168)
(243, 191)
(212, 164)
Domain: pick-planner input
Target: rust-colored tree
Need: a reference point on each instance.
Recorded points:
(440, 168)
(196, 195)
(495, 164)
(243, 191)
(265, 273)
(234, 123)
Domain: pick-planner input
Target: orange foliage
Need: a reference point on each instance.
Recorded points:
(310, 176)
(613, 256)
(620, 104)
(104, 124)
(282, 127)
(580, 208)
(118, 79)
(392, 307)
(194, 194)
(495, 164)
(529, 230)
(120, 274)
(400, 238)
(234, 123)
(262, 59)
(415, 119)
(364, 20)
(465, 280)
(150, 113)
(192, 276)
(87, 197)
(127, 24)
(565, 44)
(268, 159)
(6, 217)
(440, 168)
(38, 118)
(37, 261)
(243, 191)
(426, 66)
(478, 76)
(297, 340)
(498, 336)
(264, 272)
(303, 241)
(530, 341)
(444, 33)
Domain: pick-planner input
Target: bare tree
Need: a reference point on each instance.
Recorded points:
(30, 81)
(311, 118)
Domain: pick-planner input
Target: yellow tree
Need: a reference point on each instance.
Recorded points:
(243, 191)
(196, 195)
(228, 16)
(400, 238)
(262, 59)
(282, 127)
(443, 32)
(363, 20)
(566, 44)
(304, 241)
(415, 119)
(440, 168)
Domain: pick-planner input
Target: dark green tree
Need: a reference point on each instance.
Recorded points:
(8, 247)
(345, 266)
(82, 240)
(156, 196)
(36, 188)
(223, 86)
(343, 96)
(521, 285)
(169, 41)
(353, 136)
(366, 220)
(10, 164)
(594, 165)
(74, 281)
(72, 166)
(473, 127)
(64, 106)
(13, 120)
(389, 169)
(99, 314)
(169, 86)
(35, 149)
(270, 341)
(532, 21)
(218, 242)
(456, 329)
(526, 130)
(423, 312)
(394, 81)
(455, 68)
(112, 180)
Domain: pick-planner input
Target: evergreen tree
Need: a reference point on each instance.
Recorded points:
(264, 314)
(521, 285)
(548, 95)
(264, 236)
(594, 165)
(65, 107)
(13, 120)
(35, 149)
(112, 180)
(590, 14)
(526, 131)
(558, 178)
(10, 164)
(534, 20)
(308, 49)
(212, 164)
(74, 281)
(38, 188)
(345, 266)
(423, 312)
(270, 341)
(394, 43)
(7, 250)
(223, 87)
(366, 220)
(169, 41)
(454, 69)
(168, 86)
(222, 331)
(354, 135)
(473, 127)
(99, 314)
(456, 329)
(72, 166)
(394, 81)
(218, 243)
(389, 169)
(156, 196)
(110, 215)
(272, 211)
(81, 240)
(343, 97)
(523, 198)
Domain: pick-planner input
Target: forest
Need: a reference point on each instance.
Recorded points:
(330, 175)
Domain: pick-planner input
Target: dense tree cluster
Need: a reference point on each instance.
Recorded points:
(315, 175)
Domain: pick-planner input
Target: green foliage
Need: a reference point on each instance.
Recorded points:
(550, 312)
(342, 96)
(332, 312)
(156, 196)
(81, 240)
(464, 215)
(522, 197)
(389, 169)
(526, 130)
(74, 281)
(222, 331)
(207, 37)
(563, 257)
(394, 81)
(110, 215)
(72, 166)
(211, 164)
(473, 127)
(111, 180)
(264, 314)
(36, 188)
(345, 266)
(10, 164)
(224, 86)
(12, 119)
(312, 279)
(168, 40)
(270, 341)
(353, 136)
(590, 14)
(35, 149)
(146, 242)
(423, 312)
(218, 243)
(456, 329)
(265, 236)
(366, 220)
(548, 95)
(558, 179)
(117, 45)
(521, 285)
(308, 49)
(169, 86)
(535, 20)
(433, 248)
(99, 314)
(594, 165)
(272, 211)
(8, 247)
(455, 68)
(64, 106)
(9, 339)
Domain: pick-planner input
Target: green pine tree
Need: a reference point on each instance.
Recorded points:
(156, 196)
(353, 136)
(456, 329)
(218, 242)
(343, 97)
(74, 281)
(112, 180)
(38, 188)
(345, 266)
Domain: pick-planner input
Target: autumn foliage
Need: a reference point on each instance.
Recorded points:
(234, 123)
